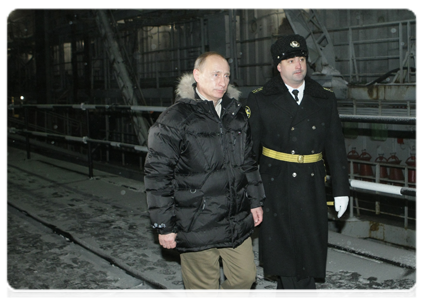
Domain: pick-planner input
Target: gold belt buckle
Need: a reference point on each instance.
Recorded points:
(300, 159)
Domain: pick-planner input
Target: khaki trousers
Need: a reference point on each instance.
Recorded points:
(201, 270)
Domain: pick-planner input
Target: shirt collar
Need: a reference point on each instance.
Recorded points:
(300, 88)
(300, 91)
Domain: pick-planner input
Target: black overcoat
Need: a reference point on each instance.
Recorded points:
(293, 235)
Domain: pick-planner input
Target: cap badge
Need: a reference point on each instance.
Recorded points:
(294, 44)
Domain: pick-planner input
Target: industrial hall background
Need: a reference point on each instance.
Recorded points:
(85, 85)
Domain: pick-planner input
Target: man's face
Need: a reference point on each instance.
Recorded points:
(213, 78)
(293, 70)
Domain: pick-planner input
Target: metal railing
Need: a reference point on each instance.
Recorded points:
(405, 193)
(358, 182)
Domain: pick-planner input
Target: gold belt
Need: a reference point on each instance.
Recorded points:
(295, 158)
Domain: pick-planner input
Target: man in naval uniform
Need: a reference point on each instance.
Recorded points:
(294, 123)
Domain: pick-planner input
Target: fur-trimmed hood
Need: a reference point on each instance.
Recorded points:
(186, 88)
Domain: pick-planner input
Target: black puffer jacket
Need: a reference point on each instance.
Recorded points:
(200, 176)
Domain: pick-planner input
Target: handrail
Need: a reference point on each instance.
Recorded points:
(375, 187)
(404, 192)
(356, 184)
(378, 119)
(83, 106)
(83, 139)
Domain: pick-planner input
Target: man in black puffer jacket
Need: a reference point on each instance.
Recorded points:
(204, 191)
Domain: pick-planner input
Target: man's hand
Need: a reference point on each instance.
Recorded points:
(257, 215)
(167, 240)
(341, 204)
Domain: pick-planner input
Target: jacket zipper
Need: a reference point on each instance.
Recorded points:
(232, 197)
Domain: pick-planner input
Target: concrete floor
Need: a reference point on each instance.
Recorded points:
(69, 232)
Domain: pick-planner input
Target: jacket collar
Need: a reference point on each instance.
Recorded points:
(187, 84)
(284, 100)
(277, 86)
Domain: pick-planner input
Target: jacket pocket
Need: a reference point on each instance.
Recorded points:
(198, 212)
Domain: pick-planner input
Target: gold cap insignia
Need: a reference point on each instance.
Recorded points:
(294, 44)
(248, 111)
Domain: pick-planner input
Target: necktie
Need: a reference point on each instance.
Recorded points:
(295, 92)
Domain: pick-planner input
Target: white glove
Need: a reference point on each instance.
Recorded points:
(341, 204)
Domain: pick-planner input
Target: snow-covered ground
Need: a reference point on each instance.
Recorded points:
(67, 231)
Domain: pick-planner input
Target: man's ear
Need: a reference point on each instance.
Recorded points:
(196, 74)
(279, 67)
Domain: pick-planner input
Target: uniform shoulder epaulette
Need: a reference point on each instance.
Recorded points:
(327, 89)
(257, 90)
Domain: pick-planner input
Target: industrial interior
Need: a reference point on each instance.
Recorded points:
(85, 85)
